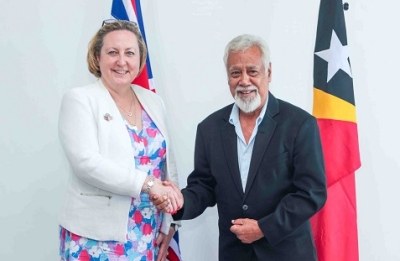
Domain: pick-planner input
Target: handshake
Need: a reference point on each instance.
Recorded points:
(166, 196)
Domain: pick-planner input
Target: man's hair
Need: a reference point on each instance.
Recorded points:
(244, 42)
(97, 42)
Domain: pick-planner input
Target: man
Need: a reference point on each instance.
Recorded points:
(260, 160)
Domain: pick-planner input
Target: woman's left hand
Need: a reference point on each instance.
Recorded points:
(163, 243)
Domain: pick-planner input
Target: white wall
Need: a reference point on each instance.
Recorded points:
(42, 53)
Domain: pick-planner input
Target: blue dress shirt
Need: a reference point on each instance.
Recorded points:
(245, 150)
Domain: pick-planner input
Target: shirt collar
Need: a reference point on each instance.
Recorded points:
(234, 116)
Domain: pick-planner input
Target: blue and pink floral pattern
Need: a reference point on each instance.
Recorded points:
(144, 219)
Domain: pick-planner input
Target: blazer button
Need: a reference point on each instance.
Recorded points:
(245, 207)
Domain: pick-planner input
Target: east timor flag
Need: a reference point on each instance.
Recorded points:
(335, 226)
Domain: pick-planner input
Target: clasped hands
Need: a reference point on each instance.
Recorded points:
(167, 197)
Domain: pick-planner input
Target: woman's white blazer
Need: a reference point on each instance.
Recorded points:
(103, 176)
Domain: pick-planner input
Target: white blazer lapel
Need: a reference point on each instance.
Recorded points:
(153, 106)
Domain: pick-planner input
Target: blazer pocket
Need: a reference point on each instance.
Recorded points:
(276, 159)
(276, 167)
(98, 198)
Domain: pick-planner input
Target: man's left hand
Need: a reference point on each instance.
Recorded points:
(246, 230)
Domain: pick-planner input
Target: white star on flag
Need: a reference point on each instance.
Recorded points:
(336, 56)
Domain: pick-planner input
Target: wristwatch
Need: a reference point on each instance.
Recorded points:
(149, 185)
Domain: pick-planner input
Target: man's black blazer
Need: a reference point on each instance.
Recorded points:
(286, 183)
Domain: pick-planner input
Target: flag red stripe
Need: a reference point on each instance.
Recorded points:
(142, 79)
(134, 5)
(335, 226)
(172, 256)
(340, 145)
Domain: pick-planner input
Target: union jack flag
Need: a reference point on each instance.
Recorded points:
(130, 10)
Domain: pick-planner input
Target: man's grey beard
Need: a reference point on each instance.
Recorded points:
(247, 105)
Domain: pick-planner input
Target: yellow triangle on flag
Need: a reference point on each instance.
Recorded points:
(327, 106)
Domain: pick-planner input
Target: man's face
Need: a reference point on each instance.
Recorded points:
(248, 79)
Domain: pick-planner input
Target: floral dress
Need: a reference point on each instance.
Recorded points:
(144, 219)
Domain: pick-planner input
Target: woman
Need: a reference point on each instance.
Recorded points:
(115, 138)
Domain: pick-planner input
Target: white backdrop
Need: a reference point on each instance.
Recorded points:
(43, 46)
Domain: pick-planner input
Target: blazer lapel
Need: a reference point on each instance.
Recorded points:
(229, 142)
(115, 125)
(153, 111)
(262, 139)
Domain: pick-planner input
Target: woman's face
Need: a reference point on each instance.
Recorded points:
(119, 59)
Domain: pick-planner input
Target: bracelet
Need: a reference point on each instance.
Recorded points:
(149, 185)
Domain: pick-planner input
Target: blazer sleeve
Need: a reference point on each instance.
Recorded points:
(309, 195)
(79, 137)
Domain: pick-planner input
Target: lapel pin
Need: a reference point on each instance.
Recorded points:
(108, 117)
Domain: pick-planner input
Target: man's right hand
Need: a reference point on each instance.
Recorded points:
(163, 202)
